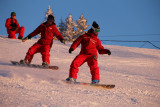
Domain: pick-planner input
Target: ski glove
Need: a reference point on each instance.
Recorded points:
(63, 41)
(70, 50)
(108, 52)
(26, 38)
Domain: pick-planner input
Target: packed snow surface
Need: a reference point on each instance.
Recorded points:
(134, 71)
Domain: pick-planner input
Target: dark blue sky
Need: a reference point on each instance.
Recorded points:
(130, 20)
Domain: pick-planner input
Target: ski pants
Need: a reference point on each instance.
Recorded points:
(38, 48)
(20, 30)
(81, 59)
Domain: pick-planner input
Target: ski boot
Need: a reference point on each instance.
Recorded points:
(23, 62)
(95, 81)
(69, 79)
(45, 64)
(20, 38)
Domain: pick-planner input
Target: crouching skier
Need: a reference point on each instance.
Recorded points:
(89, 46)
(13, 27)
(44, 44)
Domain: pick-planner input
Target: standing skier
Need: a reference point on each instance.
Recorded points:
(89, 46)
(44, 44)
(13, 27)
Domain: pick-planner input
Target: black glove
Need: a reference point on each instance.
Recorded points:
(29, 37)
(108, 52)
(63, 41)
(70, 50)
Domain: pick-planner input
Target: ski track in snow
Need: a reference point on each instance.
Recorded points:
(134, 71)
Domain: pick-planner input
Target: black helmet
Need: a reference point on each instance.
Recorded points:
(13, 13)
(95, 27)
(50, 17)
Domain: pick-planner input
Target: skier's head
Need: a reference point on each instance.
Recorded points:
(95, 28)
(50, 18)
(13, 14)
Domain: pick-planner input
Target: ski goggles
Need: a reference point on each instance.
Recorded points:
(96, 29)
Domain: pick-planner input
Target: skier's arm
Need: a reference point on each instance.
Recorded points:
(59, 35)
(34, 33)
(76, 43)
(8, 24)
(17, 23)
(101, 49)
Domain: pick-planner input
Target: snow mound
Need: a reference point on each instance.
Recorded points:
(134, 71)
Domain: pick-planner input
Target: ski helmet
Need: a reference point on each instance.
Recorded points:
(50, 17)
(95, 27)
(13, 13)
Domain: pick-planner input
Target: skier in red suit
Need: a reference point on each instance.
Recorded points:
(13, 27)
(89, 46)
(44, 44)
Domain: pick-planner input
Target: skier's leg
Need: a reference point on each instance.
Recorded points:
(32, 50)
(45, 51)
(77, 62)
(21, 32)
(93, 64)
(11, 34)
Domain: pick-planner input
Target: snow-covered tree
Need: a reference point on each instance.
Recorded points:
(49, 12)
(70, 32)
(68, 28)
(82, 25)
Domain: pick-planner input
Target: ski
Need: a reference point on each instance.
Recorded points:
(16, 63)
(105, 86)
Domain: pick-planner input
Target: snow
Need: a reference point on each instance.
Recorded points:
(134, 71)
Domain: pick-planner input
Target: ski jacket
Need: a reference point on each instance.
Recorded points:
(89, 44)
(10, 22)
(47, 34)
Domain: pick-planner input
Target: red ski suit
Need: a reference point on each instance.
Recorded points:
(11, 33)
(44, 43)
(89, 46)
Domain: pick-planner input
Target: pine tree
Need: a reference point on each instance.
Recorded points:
(70, 32)
(67, 28)
(82, 25)
(62, 26)
(49, 12)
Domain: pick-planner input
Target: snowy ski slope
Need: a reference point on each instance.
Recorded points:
(134, 71)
